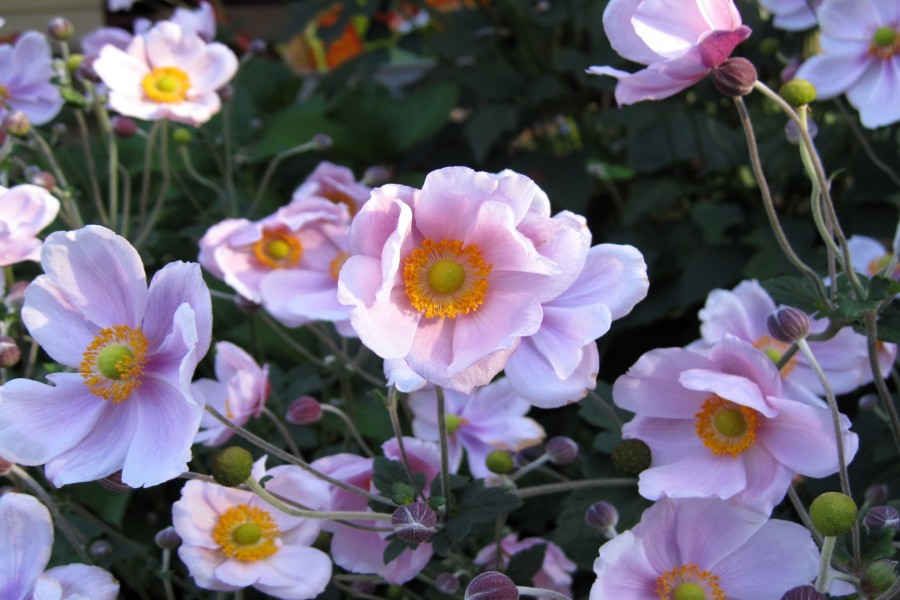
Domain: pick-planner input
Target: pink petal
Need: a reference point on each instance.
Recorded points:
(25, 545)
(532, 376)
(655, 376)
(621, 33)
(173, 285)
(47, 312)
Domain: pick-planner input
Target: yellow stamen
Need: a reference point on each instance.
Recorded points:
(339, 197)
(446, 278)
(775, 350)
(278, 248)
(166, 84)
(247, 533)
(113, 362)
(334, 268)
(688, 582)
(726, 428)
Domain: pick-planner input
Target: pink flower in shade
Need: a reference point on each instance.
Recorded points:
(24, 211)
(232, 539)
(742, 312)
(239, 392)
(360, 551)
(860, 42)
(449, 278)
(720, 425)
(869, 256)
(167, 73)
(490, 418)
(288, 262)
(680, 41)
(26, 540)
(792, 15)
(554, 573)
(128, 406)
(333, 182)
(706, 548)
(26, 73)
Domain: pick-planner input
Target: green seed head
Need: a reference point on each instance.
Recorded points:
(232, 466)
(798, 92)
(246, 534)
(499, 462)
(113, 361)
(689, 591)
(631, 457)
(833, 513)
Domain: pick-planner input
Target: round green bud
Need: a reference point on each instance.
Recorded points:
(797, 92)
(231, 467)
(769, 46)
(630, 457)
(182, 135)
(879, 576)
(833, 513)
(74, 61)
(499, 462)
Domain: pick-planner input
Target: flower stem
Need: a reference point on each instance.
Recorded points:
(825, 564)
(350, 427)
(270, 170)
(260, 491)
(445, 454)
(566, 486)
(883, 393)
(288, 439)
(804, 516)
(163, 186)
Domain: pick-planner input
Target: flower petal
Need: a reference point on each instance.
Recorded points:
(25, 544)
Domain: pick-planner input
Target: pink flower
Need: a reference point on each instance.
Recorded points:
(232, 539)
(333, 182)
(792, 15)
(24, 211)
(128, 405)
(680, 41)
(26, 73)
(720, 425)
(490, 418)
(704, 548)
(869, 256)
(360, 551)
(239, 392)
(167, 73)
(554, 573)
(860, 41)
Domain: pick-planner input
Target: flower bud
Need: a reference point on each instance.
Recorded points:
(113, 482)
(769, 46)
(305, 410)
(74, 61)
(414, 523)
(788, 324)
(803, 592)
(59, 130)
(499, 462)
(603, 517)
(630, 457)
(882, 517)
(257, 46)
(877, 494)
(734, 77)
(232, 466)
(492, 585)
(322, 141)
(15, 298)
(879, 576)
(395, 592)
(182, 135)
(797, 92)
(167, 539)
(9, 352)
(833, 513)
(362, 587)
(60, 28)
(375, 176)
(562, 450)
(101, 549)
(124, 127)
(44, 179)
(868, 402)
(447, 583)
(16, 123)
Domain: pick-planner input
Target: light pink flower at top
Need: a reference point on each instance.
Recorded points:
(128, 406)
(335, 183)
(239, 392)
(360, 551)
(860, 42)
(680, 41)
(449, 278)
(167, 73)
(490, 418)
(792, 15)
(705, 548)
(554, 573)
(720, 425)
(232, 539)
(24, 211)
(26, 540)
(26, 73)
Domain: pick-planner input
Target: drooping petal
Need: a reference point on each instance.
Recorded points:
(175, 284)
(25, 544)
(77, 582)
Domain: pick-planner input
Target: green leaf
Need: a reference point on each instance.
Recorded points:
(478, 504)
(386, 473)
(889, 324)
(72, 97)
(487, 125)
(798, 292)
(394, 549)
(524, 565)
(457, 530)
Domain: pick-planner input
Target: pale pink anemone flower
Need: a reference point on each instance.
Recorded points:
(705, 548)
(232, 539)
(490, 418)
(720, 425)
(288, 262)
(24, 211)
(449, 278)
(167, 73)
(860, 42)
(792, 15)
(333, 182)
(555, 571)
(742, 312)
(239, 392)
(128, 406)
(26, 74)
(680, 41)
(869, 256)
(360, 551)
(26, 540)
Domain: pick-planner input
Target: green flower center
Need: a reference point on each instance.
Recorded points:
(446, 276)
(884, 37)
(774, 354)
(453, 423)
(167, 84)
(278, 249)
(114, 361)
(689, 591)
(247, 534)
(730, 423)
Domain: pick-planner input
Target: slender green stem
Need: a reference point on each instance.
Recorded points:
(350, 427)
(149, 148)
(445, 454)
(325, 338)
(165, 575)
(270, 170)
(804, 516)
(96, 194)
(851, 121)
(536, 463)
(72, 215)
(883, 393)
(825, 564)
(391, 405)
(283, 431)
(601, 401)
(195, 174)
(163, 186)
(567, 486)
(260, 491)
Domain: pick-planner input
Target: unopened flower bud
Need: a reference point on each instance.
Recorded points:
(562, 450)
(16, 123)
(113, 482)
(630, 457)
(734, 77)
(868, 402)
(803, 592)
(414, 523)
(375, 176)
(60, 28)
(15, 298)
(879, 576)
(74, 61)
(9, 352)
(447, 583)
(363, 586)
(182, 135)
(305, 410)
(124, 127)
(788, 324)
(44, 179)
(833, 513)
(492, 585)
(59, 130)
(877, 494)
(499, 462)
(232, 466)
(797, 92)
(603, 517)
(882, 517)
(769, 46)
(101, 549)
(167, 539)
(322, 141)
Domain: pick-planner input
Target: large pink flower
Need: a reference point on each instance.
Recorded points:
(555, 571)
(24, 211)
(792, 15)
(26, 73)
(128, 406)
(720, 425)
(680, 41)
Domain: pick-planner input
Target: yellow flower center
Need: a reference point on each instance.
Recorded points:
(726, 427)
(688, 582)
(278, 248)
(775, 350)
(113, 362)
(885, 43)
(446, 278)
(166, 84)
(334, 268)
(247, 533)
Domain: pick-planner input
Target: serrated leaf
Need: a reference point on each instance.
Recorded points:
(798, 292)
(457, 530)
(394, 549)
(524, 565)
(478, 504)
(889, 324)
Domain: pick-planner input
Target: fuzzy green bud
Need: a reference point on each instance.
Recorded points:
(879, 576)
(797, 92)
(232, 466)
(74, 61)
(833, 513)
(499, 462)
(630, 457)
(182, 135)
